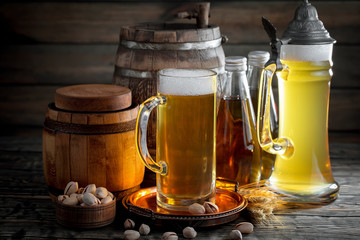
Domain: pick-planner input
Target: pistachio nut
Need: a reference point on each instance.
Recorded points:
(73, 194)
(196, 208)
(80, 190)
(245, 227)
(235, 235)
(101, 192)
(144, 229)
(211, 207)
(169, 236)
(83, 205)
(80, 197)
(61, 198)
(189, 232)
(111, 195)
(91, 188)
(129, 224)
(106, 200)
(72, 201)
(131, 235)
(70, 188)
(90, 199)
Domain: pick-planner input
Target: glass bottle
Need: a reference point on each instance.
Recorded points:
(238, 154)
(257, 60)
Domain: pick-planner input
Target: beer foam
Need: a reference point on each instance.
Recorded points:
(306, 52)
(186, 82)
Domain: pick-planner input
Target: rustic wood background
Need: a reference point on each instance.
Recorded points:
(45, 45)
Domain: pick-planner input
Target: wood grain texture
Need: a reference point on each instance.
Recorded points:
(63, 65)
(90, 22)
(92, 98)
(29, 107)
(27, 212)
(107, 159)
(61, 43)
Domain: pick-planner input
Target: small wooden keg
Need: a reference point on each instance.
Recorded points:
(145, 49)
(89, 137)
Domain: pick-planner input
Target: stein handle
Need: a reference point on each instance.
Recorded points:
(282, 145)
(140, 134)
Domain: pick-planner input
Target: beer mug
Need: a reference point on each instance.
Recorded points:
(185, 139)
(302, 62)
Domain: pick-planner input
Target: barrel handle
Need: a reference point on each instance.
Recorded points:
(140, 134)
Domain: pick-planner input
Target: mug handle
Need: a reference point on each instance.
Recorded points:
(140, 134)
(282, 145)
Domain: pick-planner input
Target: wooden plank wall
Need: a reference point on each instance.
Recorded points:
(45, 45)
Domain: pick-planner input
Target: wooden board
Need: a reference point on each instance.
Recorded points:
(27, 212)
(57, 64)
(47, 45)
(93, 22)
(29, 104)
(63, 65)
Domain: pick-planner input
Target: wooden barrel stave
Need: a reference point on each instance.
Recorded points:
(108, 160)
(147, 48)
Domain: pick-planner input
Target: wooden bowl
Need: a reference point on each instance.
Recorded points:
(85, 217)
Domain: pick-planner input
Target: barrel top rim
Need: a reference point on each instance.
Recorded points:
(166, 27)
(134, 107)
(87, 90)
(93, 97)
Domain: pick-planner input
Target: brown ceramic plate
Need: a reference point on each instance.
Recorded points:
(143, 203)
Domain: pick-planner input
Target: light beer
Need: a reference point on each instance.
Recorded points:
(304, 99)
(186, 142)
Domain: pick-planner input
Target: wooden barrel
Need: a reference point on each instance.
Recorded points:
(94, 141)
(147, 48)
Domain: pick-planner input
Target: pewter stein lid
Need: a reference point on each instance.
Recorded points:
(306, 28)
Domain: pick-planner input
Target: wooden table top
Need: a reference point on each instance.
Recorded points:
(26, 210)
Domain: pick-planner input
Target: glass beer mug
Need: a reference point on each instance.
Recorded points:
(302, 168)
(185, 137)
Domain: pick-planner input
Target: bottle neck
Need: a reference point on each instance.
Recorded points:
(236, 85)
(253, 76)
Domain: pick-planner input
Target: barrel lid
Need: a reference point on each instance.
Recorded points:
(93, 98)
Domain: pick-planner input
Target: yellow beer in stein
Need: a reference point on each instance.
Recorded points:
(302, 168)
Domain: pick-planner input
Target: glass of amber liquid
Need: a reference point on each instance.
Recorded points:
(185, 139)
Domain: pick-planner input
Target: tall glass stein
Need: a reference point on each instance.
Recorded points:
(185, 137)
(237, 148)
(302, 168)
(257, 60)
